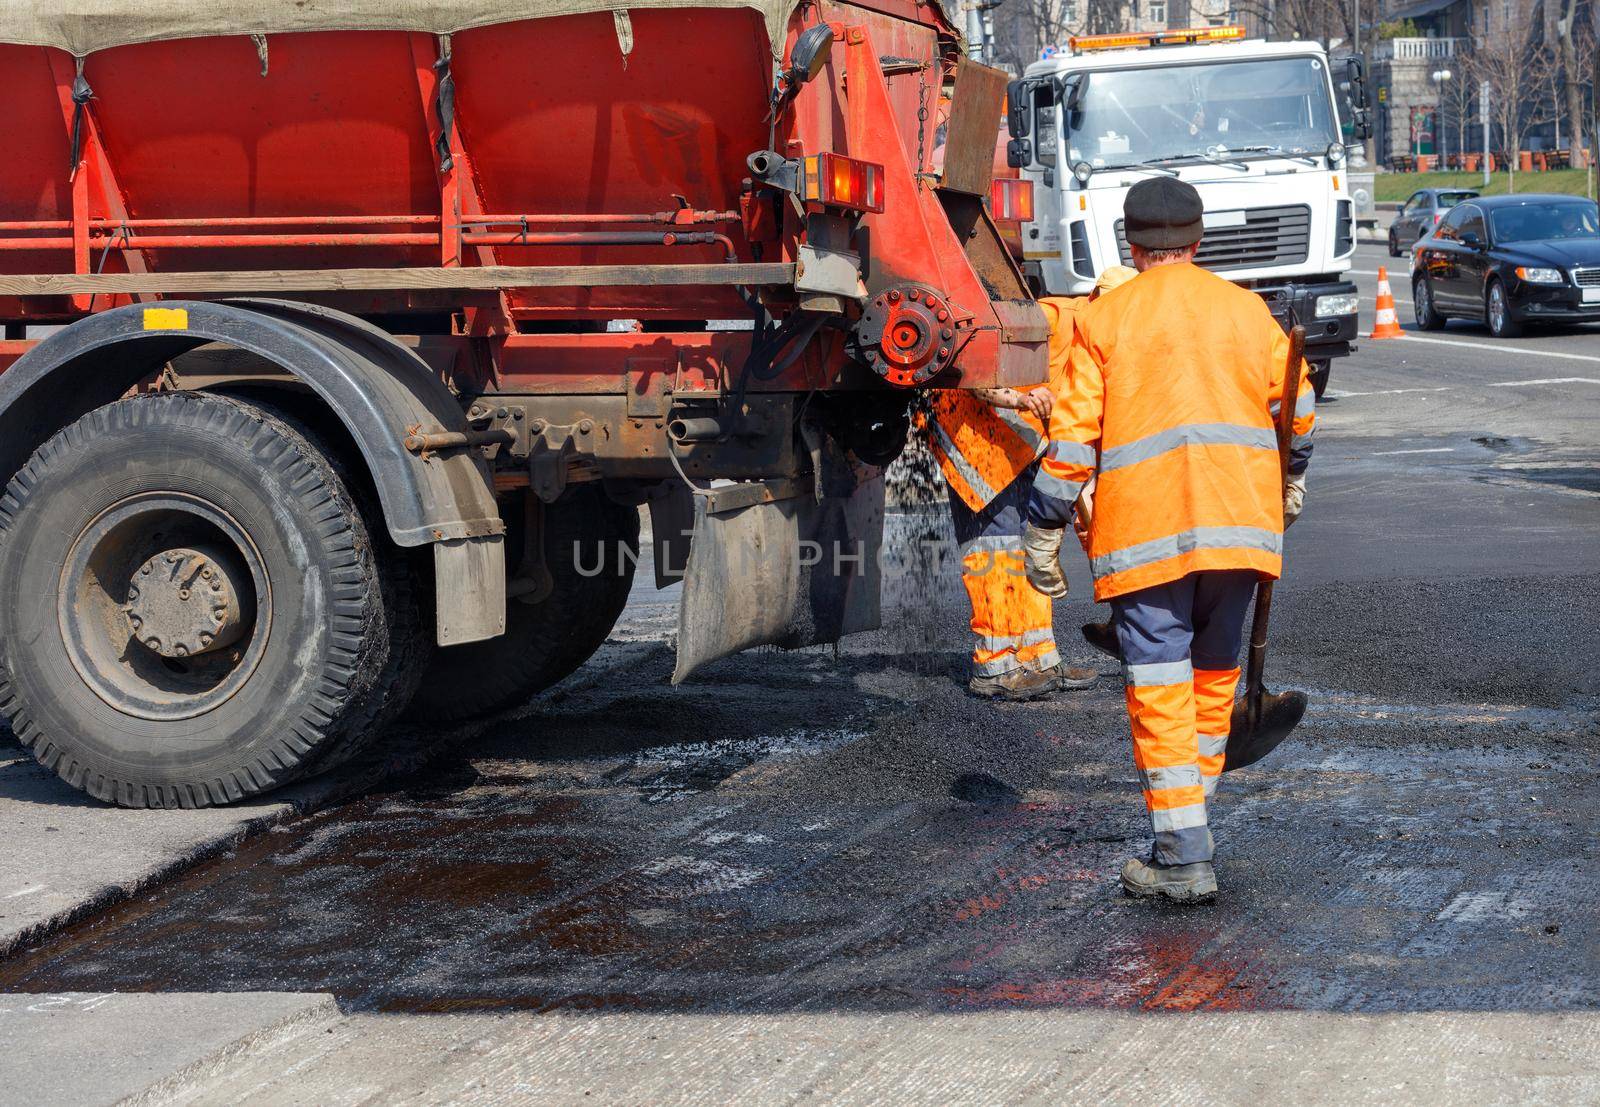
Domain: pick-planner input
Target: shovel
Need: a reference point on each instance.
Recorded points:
(1263, 719)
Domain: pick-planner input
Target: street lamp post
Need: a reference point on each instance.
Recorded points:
(1440, 76)
(1483, 114)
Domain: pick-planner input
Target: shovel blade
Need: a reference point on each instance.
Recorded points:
(1280, 713)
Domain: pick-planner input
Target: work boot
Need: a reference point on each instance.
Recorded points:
(1070, 677)
(1018, 684)
(1184, 883)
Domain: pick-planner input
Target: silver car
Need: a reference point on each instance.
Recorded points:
(1421, 213)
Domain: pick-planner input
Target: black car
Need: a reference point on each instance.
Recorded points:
(1421, 213)
(1510, 261)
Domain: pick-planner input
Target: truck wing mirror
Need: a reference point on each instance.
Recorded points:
(1019, 108)
(1072, 91)
(1355, 67)
(1019, 153)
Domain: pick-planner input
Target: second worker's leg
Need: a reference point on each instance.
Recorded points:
(1010, 619)
(1222, 599)
(1154, 629)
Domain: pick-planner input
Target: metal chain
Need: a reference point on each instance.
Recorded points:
(922, 120)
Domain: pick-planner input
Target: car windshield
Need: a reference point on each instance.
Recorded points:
(1451, 199)
(1545, 222)
(1262, 107)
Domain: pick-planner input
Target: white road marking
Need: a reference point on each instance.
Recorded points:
(1530, 351)
(28, 891)
(1389, 392)
(1397, 453)
(1548, 380)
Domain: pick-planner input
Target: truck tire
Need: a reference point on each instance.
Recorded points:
(192, 608)
(1320, 372)
(547, 640)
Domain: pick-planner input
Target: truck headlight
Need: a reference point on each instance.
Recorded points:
(1541, 276)
(1339, 304)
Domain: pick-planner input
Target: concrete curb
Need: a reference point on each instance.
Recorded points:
(182, 1085)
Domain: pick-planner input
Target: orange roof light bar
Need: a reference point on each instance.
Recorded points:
(1082, 44)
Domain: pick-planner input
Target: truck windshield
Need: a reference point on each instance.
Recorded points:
(1259, 107)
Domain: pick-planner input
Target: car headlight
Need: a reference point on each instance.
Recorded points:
(1541, 276)
(1340, 304)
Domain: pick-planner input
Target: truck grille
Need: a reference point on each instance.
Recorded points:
(1587, 278)
(1269, 236)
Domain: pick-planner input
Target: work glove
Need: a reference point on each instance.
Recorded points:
(1042, 550)
(1294, 498)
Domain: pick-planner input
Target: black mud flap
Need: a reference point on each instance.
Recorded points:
(771, 564)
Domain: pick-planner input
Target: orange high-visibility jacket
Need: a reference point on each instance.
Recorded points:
(1168, 404)
(981, 449)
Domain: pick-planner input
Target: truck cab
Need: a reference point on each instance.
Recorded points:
(1252, 125)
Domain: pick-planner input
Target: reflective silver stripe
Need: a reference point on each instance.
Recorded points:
(1073, 453)
(1304, 405)
(1186, 541)
(1049, 659)
(1301, 441)
(1000, 666)
(1015, 641)
(1191, 434)
(993, 543)
(1210, 783)
(962, 465)
(1024, 429)
(1161, 672)
(1179, 818)
(1051, 485)
(1213, 745)
(1175, 776)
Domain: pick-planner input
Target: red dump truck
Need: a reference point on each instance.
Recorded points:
(344, 341)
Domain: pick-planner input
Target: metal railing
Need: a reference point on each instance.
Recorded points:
(1415, 49)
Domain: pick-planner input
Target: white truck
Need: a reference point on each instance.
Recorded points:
(1252, 125)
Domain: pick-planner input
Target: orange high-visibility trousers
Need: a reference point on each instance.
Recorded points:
(1012, 622)
(1180, 644)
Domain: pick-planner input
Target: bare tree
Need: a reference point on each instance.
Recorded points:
(1305, 19)
(1566, 38)
(1508, 60)
(1456, 98)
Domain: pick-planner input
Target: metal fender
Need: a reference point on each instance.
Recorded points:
(379, 389)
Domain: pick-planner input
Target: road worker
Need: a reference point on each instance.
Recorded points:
(1168, 405)
(988, 443)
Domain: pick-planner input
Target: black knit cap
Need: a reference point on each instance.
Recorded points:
(1162, 213)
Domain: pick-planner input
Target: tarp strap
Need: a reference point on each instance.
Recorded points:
(81, 95)
(447, 103)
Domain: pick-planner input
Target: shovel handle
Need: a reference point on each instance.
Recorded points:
(1256, 670)
(1291, 396)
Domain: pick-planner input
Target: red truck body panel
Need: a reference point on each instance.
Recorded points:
(325, 152)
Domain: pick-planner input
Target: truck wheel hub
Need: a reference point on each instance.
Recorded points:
(164, 606)
(907, 335)
(184, 602)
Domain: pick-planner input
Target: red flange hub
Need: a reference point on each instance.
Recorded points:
(907, 335)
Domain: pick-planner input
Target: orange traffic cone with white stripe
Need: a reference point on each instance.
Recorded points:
(1385, 324)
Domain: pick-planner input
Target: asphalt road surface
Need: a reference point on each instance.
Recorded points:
(832, 876)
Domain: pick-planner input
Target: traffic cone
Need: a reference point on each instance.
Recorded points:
(1385, 324)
